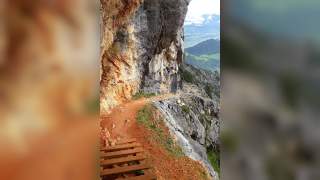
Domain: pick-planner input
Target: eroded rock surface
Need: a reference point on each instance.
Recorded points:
(193, 116)
(142, 48)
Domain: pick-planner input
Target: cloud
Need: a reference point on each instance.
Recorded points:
(198, 8)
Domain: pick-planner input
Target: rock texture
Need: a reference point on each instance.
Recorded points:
(118, 56)
(141, 48)
(207, 82)
(193, 116)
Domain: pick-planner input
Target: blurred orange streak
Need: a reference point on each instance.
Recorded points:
(49, 85)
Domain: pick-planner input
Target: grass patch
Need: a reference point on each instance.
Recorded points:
(187, 76)
(209, 90)
(145, 117)
(185, 109)
(214, 158)
(142, 94)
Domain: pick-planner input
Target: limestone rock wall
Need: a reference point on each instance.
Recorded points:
(142, 48)
(118, 58)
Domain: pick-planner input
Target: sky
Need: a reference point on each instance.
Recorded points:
(198, 8)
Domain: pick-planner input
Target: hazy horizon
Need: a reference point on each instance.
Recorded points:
(197, 9)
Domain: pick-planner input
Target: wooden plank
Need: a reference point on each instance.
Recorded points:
(121, 147)
(125, 169)
(125, 141)
(121, 160)
(121, 153)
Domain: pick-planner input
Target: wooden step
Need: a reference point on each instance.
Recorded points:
(122, 160)
(125, 141)
(121, 147)
(126, 169)
(115, 154)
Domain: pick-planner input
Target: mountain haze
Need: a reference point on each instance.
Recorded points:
(210, 46)
(199, 32)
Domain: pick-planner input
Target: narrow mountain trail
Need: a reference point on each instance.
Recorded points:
(121, 123)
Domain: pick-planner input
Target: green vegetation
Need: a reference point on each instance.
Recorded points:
(187, 76)
(142, 94)
(170, 146)
(185, 109)
(204, 57)
(214, 158)
(204, 54)
(145, 117)
(209, 90)
(209, 62)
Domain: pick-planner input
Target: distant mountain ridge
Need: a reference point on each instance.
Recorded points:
(210, 46)
(205, 55)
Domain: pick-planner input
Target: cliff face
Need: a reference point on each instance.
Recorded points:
(118, 70)
(141, 48)
(193, 117)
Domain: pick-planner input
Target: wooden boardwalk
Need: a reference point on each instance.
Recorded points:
(125, 160)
